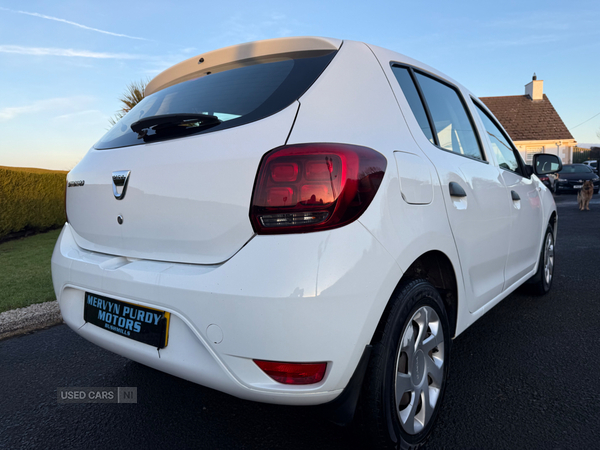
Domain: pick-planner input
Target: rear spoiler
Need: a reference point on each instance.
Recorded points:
(238, 56)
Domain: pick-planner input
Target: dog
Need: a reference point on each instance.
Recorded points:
(585, 195)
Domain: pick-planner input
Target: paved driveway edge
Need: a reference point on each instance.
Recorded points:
(31, 318)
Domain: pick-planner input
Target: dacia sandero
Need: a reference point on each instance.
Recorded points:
(303, 221)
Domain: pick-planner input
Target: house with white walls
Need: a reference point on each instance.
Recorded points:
(532, 123)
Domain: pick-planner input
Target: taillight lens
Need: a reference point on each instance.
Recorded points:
(313, 187)
(293, 373)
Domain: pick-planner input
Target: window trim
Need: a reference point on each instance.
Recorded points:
(479, 104)
(422, 98)
(412, 70)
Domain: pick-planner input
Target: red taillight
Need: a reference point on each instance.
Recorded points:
(293, 373)
(284, 172)
(314, 187)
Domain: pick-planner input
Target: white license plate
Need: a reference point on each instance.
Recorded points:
(578, 186)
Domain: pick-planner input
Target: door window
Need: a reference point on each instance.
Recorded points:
(440, 112)
(450, 118)
(503, 151)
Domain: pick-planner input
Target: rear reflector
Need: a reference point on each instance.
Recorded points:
(293, 373)
(314, 187)
(293, 219)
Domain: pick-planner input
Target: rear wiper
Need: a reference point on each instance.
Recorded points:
(184, 120)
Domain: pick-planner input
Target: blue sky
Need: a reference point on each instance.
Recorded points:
(64, 64)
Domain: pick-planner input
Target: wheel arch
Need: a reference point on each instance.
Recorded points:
(554, 221)
(435, 267)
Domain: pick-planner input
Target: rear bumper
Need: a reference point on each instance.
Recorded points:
(297, 298)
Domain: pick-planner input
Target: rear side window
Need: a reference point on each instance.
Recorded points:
(412, 96)
(235, 97)
(440, 112)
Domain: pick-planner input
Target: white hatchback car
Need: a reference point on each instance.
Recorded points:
(300, 221)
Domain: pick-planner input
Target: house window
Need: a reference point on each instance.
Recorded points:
(530, 151)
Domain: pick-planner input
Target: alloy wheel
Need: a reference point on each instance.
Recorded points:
(419, 369)
(548, 258)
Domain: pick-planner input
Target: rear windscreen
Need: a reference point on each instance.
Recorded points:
(236, 97)
(576, 169)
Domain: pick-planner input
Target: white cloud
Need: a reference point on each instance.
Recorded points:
(42, 16)
(54, 104)
(77, 114)
(68, 52)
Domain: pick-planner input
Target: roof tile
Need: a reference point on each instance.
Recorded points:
(527, 120)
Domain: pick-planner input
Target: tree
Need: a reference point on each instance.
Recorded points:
(134, 93)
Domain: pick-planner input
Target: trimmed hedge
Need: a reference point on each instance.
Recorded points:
(31, 201)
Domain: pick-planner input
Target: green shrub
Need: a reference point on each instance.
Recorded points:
(31, 201)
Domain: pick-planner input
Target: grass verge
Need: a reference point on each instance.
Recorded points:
(25, 276)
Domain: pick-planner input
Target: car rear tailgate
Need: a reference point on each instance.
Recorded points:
(187, 200)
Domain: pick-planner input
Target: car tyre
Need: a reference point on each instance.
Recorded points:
(406, 377)
(541, 282)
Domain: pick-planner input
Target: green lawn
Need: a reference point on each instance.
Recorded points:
(25, 276)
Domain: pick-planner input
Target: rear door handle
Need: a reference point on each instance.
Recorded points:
(514, 196)
(456, 190)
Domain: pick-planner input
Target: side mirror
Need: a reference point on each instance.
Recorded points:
(544, 163)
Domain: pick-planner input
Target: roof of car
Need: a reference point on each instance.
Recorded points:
(528, 120)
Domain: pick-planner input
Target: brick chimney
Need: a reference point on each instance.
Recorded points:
(535, 89)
